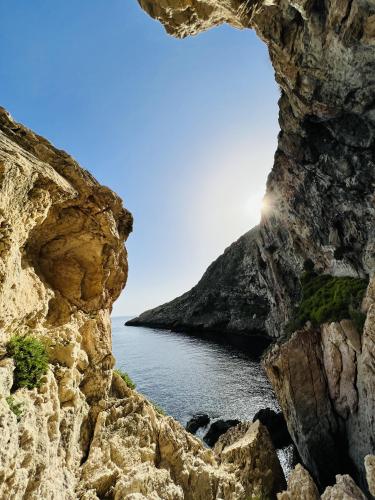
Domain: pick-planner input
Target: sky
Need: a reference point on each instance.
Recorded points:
(183, 130)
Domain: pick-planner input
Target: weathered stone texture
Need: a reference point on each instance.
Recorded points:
(320, 197)
(83, 433)
(320, 191)
(324, 380)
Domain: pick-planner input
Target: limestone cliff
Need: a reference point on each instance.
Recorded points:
(320, 197)
(324, 381)
(320, 193)
(83, 434)
(229, 297)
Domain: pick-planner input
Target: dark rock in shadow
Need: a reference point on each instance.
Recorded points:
(196, 422)
(217, 429)
(276, 425)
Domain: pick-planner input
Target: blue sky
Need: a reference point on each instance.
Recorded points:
(183, 130)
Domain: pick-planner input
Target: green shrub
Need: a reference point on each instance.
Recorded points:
(327, 298)
(16, 408)
(125, 377)
(31, 361)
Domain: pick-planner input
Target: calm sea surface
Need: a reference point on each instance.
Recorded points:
(187, 374)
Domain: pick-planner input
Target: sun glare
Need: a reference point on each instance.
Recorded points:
(256, 205)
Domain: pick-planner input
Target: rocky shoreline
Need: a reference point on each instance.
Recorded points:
(81, 432)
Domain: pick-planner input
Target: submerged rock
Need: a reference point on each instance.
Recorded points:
(276, 426)
(217, 429)
(196, 422)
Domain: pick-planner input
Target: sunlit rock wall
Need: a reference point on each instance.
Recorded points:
(83, 434)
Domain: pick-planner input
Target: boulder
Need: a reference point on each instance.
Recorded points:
(276, 426)
(196, 422)
(248, 452)
(300, 486)
(217, 429)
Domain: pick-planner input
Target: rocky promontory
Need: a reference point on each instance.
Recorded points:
(229, 298)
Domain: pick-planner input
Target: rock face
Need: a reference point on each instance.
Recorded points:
(324, 381)
(320, 191)
(276, 426)
(62, 265)
(83, 433)
(320, 197)
(229, 297)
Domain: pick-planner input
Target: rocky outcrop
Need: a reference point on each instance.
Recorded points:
(320, 207)
(248, 452)
(229, 297)
(331, 414)
(320, 191)
(83, 433)
(62, 265)
(136, 451)
(300, 486)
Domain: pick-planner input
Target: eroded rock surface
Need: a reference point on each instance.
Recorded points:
(320, 197)
(325, 384)
(248, 452)
(300, 486)
(83, 434)
(62, 265)
(320, 191)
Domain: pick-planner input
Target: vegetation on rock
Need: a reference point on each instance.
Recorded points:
(126, 378)
(327, 298)
(31, 361)
(15, 407)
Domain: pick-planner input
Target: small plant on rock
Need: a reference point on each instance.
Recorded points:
(30, 359)
(15, 407)
(126, 378)
(327, 298)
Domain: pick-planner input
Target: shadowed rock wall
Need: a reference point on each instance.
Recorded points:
(320, 191)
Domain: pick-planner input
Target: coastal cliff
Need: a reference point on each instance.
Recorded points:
(319, 214)
(320, 191)
(76, 430)
(230, 296)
